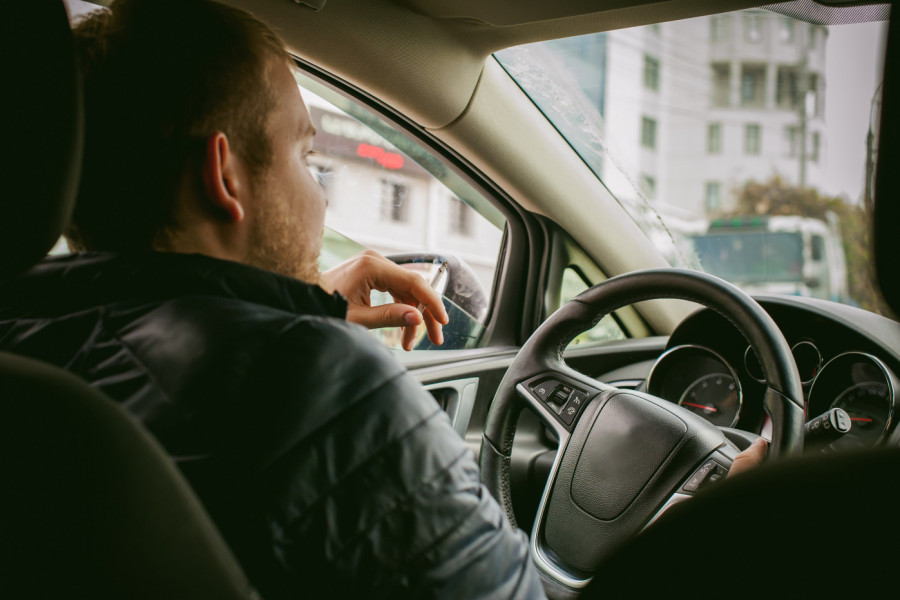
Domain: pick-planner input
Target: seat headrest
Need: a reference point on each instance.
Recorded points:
(43, 130)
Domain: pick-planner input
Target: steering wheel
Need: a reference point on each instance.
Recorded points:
(624, 457)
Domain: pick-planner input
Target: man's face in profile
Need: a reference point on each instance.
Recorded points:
(287, 215)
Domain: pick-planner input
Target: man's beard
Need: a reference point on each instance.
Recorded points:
(278, 242)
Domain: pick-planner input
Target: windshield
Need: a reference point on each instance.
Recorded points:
(742, 144)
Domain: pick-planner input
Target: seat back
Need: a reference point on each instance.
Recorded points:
(90, 505)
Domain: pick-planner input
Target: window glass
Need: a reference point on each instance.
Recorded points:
(388, 193)
(713, 196)
(751, 138)
(648, 185)
(648, 132)
(753, 85)
(787, 30)
(721, 84)
(651, 73)
(607, 330)
(753, 27)
(714, 138)
(797, 157)
(719, 28)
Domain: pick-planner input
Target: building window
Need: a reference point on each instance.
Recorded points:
(648, 132)
(787, 30)
(752, 135)
(815, 100)
(714, 138)
(651, 73)
(713, 196)
(721, 84)
(655, 28)
(647, 185)
(786, 88)
(460, 221)
(394, 205)
(811, 36)
(753, 85)
(792, 140)
(719, 26)
(816, 143)
(753, 27)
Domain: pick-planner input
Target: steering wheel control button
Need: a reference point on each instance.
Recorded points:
(544, 389)
(568, 413)
(561, 395)
(710, 471)
(578, 398)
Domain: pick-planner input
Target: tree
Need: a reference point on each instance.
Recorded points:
(776, 197)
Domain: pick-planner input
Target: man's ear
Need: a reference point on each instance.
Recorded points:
(224, 178)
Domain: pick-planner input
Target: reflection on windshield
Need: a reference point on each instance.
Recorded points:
(732, 117)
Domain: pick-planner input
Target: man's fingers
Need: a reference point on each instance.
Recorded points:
(749, 458)
(390, 277)
(386, 315)
(434, 328)
(428, 298)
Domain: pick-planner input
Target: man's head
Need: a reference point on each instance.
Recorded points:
(189, 105)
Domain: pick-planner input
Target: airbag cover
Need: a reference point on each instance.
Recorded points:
(628, 443)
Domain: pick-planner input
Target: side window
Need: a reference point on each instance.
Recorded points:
(571, 271)
(389, 193)
(608, 329)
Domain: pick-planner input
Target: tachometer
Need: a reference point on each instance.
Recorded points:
(715, 398)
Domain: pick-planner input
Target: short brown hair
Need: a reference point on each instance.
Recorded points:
(160, 77)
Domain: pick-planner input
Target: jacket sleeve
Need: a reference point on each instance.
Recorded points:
(364, 488)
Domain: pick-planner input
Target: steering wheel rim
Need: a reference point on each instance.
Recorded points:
(541, 356)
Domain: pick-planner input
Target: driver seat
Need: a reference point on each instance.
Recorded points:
(809, 527)
(90, 505)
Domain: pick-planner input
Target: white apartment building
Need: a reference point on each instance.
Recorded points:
(688, 157)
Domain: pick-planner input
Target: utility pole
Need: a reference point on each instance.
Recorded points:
(802, 91)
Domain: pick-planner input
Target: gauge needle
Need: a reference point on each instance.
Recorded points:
(861, 419)
(703, 406)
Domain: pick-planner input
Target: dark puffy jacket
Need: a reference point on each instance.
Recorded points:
(328, 469)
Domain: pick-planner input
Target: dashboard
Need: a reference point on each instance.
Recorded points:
(847, 358)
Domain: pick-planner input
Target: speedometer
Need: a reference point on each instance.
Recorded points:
(715, 398)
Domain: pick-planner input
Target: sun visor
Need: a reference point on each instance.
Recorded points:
(504, 13)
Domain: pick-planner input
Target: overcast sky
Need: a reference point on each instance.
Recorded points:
(852, 73)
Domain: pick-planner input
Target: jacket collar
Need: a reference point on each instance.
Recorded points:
(81, 281)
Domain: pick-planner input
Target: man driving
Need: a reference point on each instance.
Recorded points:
(198, 305)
